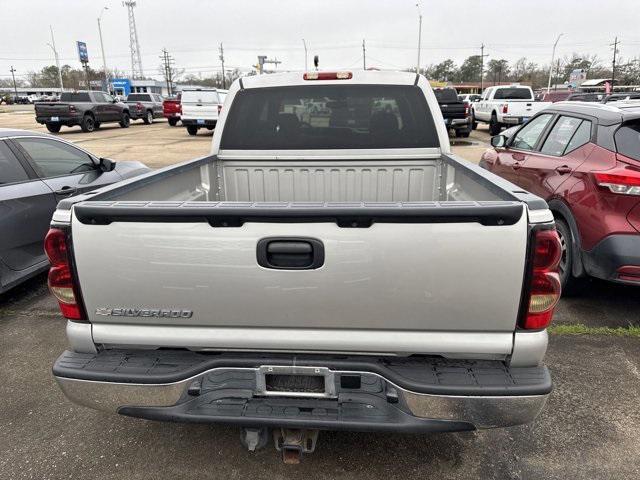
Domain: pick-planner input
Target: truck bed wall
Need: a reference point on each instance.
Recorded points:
(405, 180)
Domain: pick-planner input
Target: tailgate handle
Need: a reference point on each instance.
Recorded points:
(290, 253)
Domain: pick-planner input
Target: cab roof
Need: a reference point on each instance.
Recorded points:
(358, 77)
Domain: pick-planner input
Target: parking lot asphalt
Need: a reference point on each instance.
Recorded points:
(588, 430)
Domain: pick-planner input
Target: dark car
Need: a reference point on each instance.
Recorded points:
(88, 109)
(144, 106)
(584, 160)
(585, 97)
(621, 97)
(36, 172)
(454, 111)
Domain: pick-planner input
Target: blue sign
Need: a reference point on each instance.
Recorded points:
(83, 54)
(121, 86)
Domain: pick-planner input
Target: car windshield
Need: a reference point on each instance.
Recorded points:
(514, 93)
(329, 117)
(445, 95)
(200, 96)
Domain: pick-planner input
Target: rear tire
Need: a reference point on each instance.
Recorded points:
(192, 129)
(494, 127)
(474, 124)
(88, 124)
(53, 127)
(97, 125)
(570, 284)
(463, 133)
(125, 120)
(148, 119)
(173, 121)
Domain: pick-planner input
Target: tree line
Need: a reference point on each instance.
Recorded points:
(526, 71)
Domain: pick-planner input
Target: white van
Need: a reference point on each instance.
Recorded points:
(201, 107)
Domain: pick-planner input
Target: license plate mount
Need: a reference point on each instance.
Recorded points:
(55, 119)
(287, 381)
(200, 122)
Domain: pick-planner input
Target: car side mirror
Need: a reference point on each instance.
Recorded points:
(499, 141)
(107, 165)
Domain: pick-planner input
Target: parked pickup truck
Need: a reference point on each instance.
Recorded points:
(88, 109)
(171, 109)
(338, 271)
(456, 112)
(506, 105)
(144, 106)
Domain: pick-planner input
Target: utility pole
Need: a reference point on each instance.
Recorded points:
(15, 87)
(224, 78)
(482, 55)
(55, 54)
(553, 56)
(104, 59)
(419, 36)
(613, 69)
(306, 65)
(167, 62)
(364, 56)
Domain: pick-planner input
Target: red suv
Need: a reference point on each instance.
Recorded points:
(584, 160)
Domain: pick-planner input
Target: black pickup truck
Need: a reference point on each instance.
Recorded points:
(88, 109)
(454, 111)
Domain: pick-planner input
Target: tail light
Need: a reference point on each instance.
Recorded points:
(139, 107)
(327, 76)
(219, 109)
(466, 109)
(505, 108)
(545, 281)
(624, 181)
(72, 109)
(61, 280)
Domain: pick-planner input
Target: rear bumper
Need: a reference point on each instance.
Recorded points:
(186, 122)
(62, 120)
(513, 120)
(361, 393)
(614, 259)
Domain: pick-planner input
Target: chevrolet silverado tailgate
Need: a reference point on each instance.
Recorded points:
(395, 277)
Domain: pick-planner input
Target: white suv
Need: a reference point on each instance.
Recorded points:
(201, 107)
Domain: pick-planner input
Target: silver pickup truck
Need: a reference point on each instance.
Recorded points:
(321, 269)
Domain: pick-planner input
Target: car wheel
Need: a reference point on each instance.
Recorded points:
(463, 133)
(88, 124)
(53, 127)
(125, 121)
(97, 125)
(474, 124)
(568, 282)
(193, 130)
(148, 119)
(173, 121)
(494, 126)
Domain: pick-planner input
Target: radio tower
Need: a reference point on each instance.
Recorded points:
(134, 45)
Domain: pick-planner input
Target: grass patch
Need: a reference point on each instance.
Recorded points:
(580, 329)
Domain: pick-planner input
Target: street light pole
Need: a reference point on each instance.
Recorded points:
(306, 65)
(419, 36)
(15, 87)
(104, 59)
(55, 54)
(553, 57)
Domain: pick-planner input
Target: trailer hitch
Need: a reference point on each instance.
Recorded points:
(293, 442)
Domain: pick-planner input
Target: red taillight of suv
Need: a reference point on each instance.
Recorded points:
(624, 181)
(139, 107)
(545, 281)
(61, 281)
(72, 109)
(505, 108)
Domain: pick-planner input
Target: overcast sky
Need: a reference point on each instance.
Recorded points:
(192, 30)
